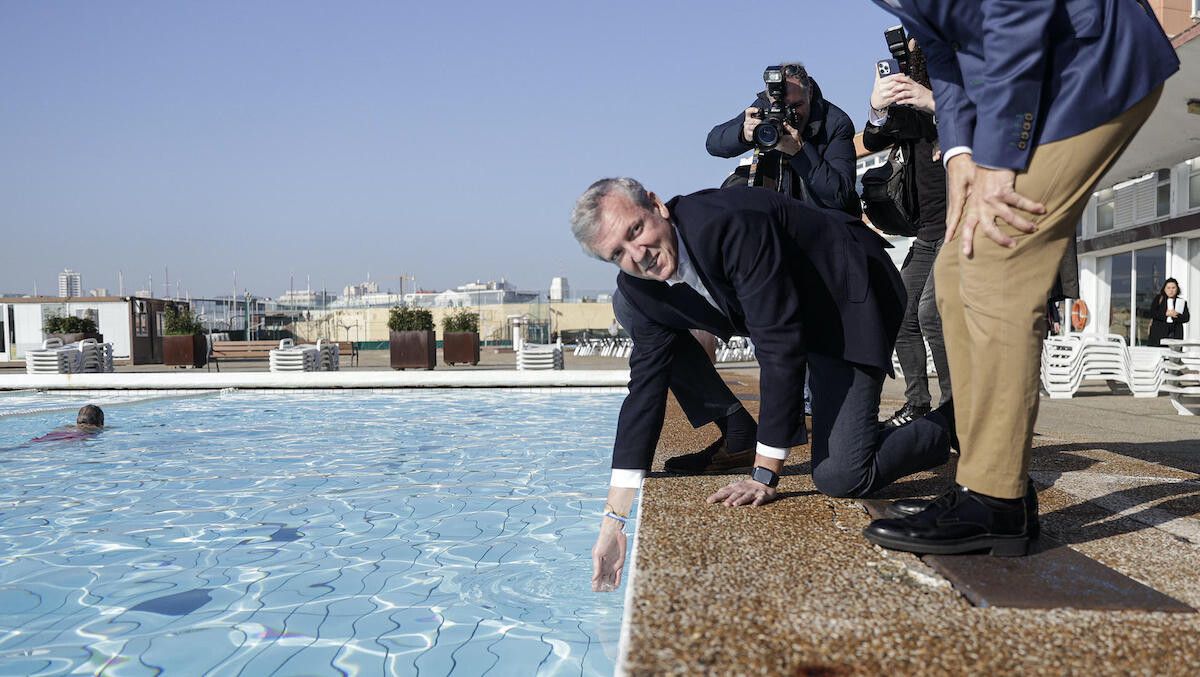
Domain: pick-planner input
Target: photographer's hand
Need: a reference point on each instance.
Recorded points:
(882, 94)
(909, 92)
(753, 119)
(790, 142)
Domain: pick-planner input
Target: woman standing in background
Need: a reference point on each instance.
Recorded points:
(1168, 314)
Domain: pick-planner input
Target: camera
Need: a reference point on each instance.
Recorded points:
(897, 43)
(766, 134)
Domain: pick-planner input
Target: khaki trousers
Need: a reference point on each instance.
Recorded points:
(993, 305)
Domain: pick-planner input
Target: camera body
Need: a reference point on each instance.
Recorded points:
(767, 133)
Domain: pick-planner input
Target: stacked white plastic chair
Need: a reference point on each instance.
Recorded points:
(290, 357)
(1147, 367)
(95, 358)
(53, 358)
(603, 347)
(1068, 361)
(1182, 378)
(736, 349)
(330, 355)
(535, 356)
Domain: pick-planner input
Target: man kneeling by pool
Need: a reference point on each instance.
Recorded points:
(812, 288)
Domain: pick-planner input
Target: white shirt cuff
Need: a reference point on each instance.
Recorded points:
(627, 479)
(875, 118)
(957, 150)
(767, 450)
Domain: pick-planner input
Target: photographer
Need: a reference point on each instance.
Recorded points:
(817, 151)
(902, 110)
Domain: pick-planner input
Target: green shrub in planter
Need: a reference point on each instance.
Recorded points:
(411, 342)
(462, 320)
(181, 322)
(403, 318)
(69, 324)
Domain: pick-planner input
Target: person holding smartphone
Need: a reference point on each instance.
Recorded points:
(902, 114)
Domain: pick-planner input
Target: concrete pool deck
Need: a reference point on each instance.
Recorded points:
(793, 588)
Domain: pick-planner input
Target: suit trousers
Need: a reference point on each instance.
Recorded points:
(993, 305)
(851, 455)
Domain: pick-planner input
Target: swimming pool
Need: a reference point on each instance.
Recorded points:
(413, 532)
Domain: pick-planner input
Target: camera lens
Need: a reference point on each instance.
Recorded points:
(766, 135)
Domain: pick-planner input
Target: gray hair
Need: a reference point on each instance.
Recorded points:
(585, 218)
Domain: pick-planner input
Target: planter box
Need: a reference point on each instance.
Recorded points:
(413, 349)
(74, 338)
(460, 347)
(185, 351)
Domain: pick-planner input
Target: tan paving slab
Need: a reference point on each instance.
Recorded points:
(792, 588)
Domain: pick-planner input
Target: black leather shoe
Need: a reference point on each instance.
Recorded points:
(959, 521)
(715, 459)
(905, 415)
(911, 506)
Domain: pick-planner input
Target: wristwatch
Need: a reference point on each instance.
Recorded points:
(765, 475)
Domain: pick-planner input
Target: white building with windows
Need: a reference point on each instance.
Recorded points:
(70, 284)
(1142, 225)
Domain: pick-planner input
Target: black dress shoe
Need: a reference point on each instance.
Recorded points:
(715, 459)
(959, 521)
(911, 506)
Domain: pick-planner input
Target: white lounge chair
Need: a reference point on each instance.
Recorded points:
(535, 356)
(289, 357)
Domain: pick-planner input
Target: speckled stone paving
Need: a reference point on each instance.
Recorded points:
(792, 588)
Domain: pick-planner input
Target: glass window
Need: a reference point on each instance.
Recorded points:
(1151, 265)
(1120, 283)
(1163, 201)
(141, 320)
(1104, 210)
(1194, 186)
(1191, 329)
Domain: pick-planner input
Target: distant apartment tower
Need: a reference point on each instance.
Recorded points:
(559, 289)
(70, 283)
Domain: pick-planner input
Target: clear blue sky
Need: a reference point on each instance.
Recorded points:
(444, 140)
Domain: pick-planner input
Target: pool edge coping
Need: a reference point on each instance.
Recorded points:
(317, 380)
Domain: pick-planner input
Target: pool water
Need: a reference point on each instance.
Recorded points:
(413, 533)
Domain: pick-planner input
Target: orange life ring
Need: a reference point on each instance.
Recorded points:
(1079, 315)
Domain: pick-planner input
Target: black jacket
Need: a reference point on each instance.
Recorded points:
(925, 180)
(825, 163)
(793, 278)
(1159, 327)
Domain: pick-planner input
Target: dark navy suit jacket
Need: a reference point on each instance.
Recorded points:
(1010, 74)
(793, 277)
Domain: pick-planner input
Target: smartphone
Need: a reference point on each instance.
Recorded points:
(887, 67)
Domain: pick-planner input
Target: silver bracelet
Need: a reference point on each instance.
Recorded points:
(617, 517)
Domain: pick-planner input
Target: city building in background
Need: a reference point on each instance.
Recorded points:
(70, 284)
(559, 289)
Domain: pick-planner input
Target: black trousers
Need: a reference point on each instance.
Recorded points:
(921, 323)
(851, 455)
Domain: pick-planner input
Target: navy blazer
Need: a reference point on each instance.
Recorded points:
(794, 278)
(826, 162)
(1011, 74)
